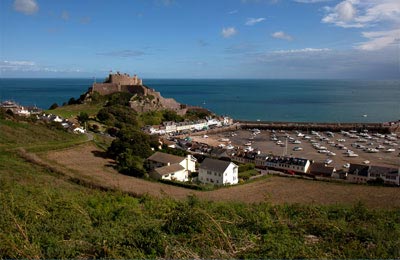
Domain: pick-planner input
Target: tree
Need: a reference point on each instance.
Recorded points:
(169, 115)
(53, 106)
(130, 164)
(83, 118)
(139, 142)
(71, 101)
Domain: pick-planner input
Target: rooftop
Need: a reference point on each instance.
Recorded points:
(288, 160)
(165, 158)
(214, 165)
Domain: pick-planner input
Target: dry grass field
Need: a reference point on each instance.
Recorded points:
(85, 162)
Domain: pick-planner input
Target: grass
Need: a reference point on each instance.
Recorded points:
(247, 174)
(71, 111)
(43, 215)
(35, 137)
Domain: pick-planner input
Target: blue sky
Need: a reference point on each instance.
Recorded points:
(201, 39)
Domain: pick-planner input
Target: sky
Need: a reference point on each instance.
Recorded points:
(335, 39)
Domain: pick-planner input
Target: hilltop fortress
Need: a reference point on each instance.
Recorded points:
(144, 99)
(119, 83)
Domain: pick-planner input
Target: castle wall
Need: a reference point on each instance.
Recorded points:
(105, 88)
(124, 79)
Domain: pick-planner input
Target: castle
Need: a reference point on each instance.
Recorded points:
(119, 83)
(144, 99)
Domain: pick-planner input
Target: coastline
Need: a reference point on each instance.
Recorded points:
(384, 127)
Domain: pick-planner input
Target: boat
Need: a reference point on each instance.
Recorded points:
(390, 150)
(365, 115)
(352, 155)
(328, 161)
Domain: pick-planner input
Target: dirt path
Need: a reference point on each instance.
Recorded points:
(85, 162)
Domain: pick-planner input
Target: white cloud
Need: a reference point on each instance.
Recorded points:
(281, 35)
(305, 50)
(18, 66)
(253, 21)
(233, 12)
(26, 6)
(123, 53)
(357, 14)
(310, 1)
(379, 40)
(343, 15)
(365, 14)
(228, 32)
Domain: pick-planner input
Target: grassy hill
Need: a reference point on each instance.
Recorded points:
(43, 215)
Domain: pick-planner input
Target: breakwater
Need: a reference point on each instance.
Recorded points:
(333, 127)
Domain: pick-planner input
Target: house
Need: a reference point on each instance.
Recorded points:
(218, 172)
(288, 164)
(321, 169)
(79, 130)
(389, 175)
(171, 167)
(359, 173)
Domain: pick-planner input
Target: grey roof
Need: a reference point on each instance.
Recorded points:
(169, 169)
(214, 165)
(358, 169)
(288, 160)
(378, 170)
(320, 168)
(165, 158)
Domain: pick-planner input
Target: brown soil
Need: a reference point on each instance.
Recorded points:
(86, 162)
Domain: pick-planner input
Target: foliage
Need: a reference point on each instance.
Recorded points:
(246, 167)
(72, 101)
(45, 216)
(245, 175)
(130, 164)
(53, 106)
(118, 116)
(178, 152)
(196, 114)
(138, 142)
(151, 118)
(169, 115)
(83, 117)
(118, 99)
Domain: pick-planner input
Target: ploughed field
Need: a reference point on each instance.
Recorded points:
(85, 162)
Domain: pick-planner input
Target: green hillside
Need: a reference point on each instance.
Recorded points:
(46, 216)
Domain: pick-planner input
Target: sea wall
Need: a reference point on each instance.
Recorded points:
(308, 126)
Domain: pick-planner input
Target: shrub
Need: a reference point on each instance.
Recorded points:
(53, 106)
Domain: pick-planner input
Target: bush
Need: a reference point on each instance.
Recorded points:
(246, 167)
(83, 118)
(53, 106)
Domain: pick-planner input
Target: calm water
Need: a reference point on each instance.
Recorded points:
(272, 100)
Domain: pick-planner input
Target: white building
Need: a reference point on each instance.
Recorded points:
(288, 164)
(171, 167)
(218, 172)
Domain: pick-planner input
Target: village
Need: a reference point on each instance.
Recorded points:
(362, 158)
(217, 146)
(39, 114)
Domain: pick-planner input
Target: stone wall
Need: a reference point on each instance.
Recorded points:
(105, 88)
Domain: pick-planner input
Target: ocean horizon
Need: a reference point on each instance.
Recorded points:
(294, 100)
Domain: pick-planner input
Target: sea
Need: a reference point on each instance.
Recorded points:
(243, 99)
